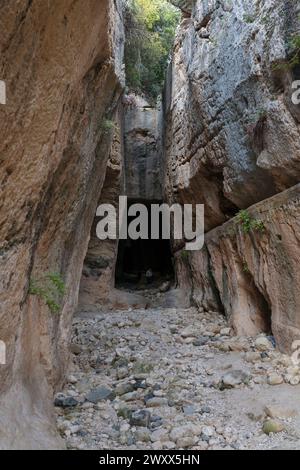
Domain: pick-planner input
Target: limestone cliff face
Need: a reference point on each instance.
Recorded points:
(232, 132)
(232, 140)
(98, 276)
(255, 274)
(62, 64)
(142, 139)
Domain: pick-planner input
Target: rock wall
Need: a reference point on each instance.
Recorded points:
(232, 134)
(98, 276)
(255, 273)
(134, 169)
(232, 141)
(62, 64)
(143, 168)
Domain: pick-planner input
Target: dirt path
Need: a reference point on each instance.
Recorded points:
(173, 378)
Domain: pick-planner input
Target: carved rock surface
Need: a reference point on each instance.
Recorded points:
(232, 135)
(255, 275)
(143, 162)
(98, 275)
(62, 64)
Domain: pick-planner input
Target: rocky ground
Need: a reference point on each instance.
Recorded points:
(176, 379)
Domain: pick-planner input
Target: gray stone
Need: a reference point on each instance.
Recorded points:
(99, 394)
(263, 344)
(185, 442)
(277, 411)
(189, 410)
(156, 402)
(234, 378)
(65, 401)
(122, 389)
(200, 341)
(275, 379)
(140, 418)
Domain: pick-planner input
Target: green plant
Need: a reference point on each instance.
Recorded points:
(184, 255)
(246, 267)
(258, 115)
(107, 125)
(150, 27)
(249, 18)
(248, 223)
(265, 19)
(50, 288)
(294, 60)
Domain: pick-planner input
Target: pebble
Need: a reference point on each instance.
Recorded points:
(263, 344)
(122, 389)
(63, 401)
(207, 432)
(101, 393)
(140, 418)
(234, 378)
(188, 332)
(276, 411)
(185, 430)
(185, 442)
(156, 402)
(273, 426)
(200, 341)
(275, 379)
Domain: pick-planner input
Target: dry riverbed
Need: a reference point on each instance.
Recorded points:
(176, 379)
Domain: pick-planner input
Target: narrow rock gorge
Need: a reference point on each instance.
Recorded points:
(133, 360)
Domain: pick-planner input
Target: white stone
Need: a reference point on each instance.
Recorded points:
(263, 344)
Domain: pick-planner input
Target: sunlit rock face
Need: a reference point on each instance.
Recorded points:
(232, 135)
(232, 141)
(186, 6)
(62, 65)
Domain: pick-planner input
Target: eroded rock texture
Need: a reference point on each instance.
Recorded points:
(232, 140)
(255, 274)
(62, 64)
(143, 162)
(232, 132)
(98, 277)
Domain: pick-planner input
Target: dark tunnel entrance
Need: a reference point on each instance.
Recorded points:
(136, 257)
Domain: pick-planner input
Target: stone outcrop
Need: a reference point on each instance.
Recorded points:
(186, 6)
(232, 141)
(62, 65)
(98, 276)
(232, 135)
(142, 140)
(254, 274)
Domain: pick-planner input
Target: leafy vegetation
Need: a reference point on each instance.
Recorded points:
(185, 256)
(107, 126)
(249, 19)
(248, 223)
(50, 288)
(294, 60)
(150, 31)
(246, 267)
